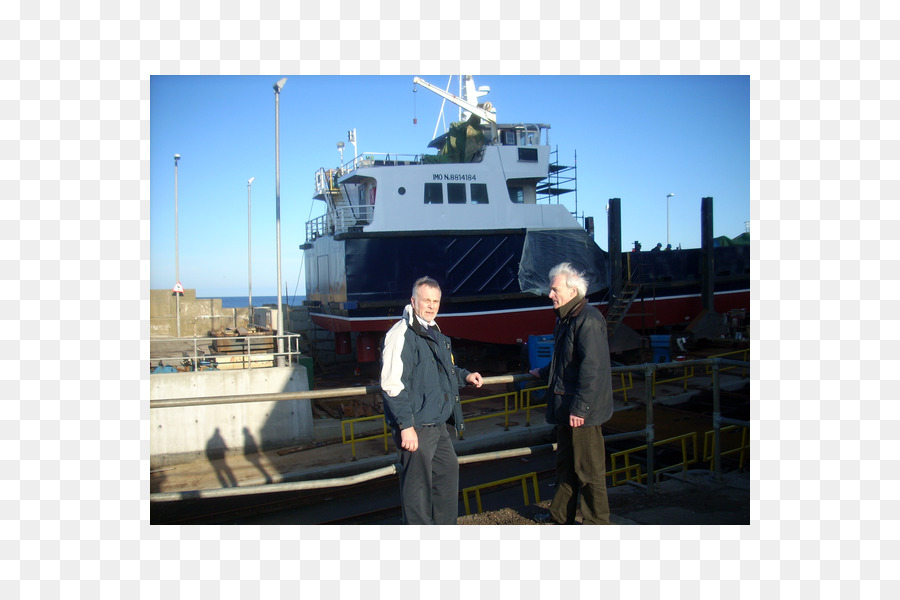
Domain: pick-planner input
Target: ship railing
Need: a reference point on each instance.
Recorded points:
(228, 352)
(327, 180)
(720, 425)
(380, 159)
(340, 220)
(531, 134)
(317, 228)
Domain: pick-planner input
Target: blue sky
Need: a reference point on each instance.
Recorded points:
(637, 138)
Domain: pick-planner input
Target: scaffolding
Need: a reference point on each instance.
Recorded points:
(561, 179)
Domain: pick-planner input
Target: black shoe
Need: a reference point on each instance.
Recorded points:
(545, 519)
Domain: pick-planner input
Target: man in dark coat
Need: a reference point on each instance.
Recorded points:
(421, 383)
(579, 400)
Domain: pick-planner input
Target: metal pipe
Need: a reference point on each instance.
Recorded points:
(249, 261)
(269, 488)
(177, 278)
(501, 454)
(375, 389)
(293, 486)
(303, 395)
(717, 421)
(279, 359)
(614, 241)
(371, 389)
(648, 406)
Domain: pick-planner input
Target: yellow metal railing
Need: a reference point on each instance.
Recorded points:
(685, 460)
(744, 356)
(688, 373)
(514, 396)
(521, 402)
(526, 405)
(637, 478)
(353, 440)
(525, 395)
(709, 445)
(625, 386)
(523, 478)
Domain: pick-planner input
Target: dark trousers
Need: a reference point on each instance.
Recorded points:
(580, 468)
(429, 478)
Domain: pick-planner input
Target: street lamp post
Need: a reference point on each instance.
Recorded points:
(177, 280)
(280, 341)
(249, 264)
(667, 217)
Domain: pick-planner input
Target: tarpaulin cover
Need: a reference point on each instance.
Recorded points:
(461, 144)
(724, 240)
(544, 249)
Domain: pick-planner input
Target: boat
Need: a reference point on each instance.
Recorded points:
(482, 215)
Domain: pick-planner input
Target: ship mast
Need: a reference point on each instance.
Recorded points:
(484, 111)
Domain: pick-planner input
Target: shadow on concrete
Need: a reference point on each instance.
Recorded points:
(215, 453)
(251, 453)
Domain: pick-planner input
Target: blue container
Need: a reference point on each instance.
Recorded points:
(540, 350)
(661, 346)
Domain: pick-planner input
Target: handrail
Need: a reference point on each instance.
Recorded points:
(709, 453)
(648, 433)
(303, 395)
(376, 389)
(685, 460)
(685, 376)
(292, 486)
(194, 358)
(523, 478)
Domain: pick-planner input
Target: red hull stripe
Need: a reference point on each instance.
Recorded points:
(514, 326)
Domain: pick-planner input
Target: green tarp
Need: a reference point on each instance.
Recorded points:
(741, 240)
(463, 142)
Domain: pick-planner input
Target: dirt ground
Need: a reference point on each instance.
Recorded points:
(700, 500)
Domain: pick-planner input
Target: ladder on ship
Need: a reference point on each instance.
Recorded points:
(620, 306)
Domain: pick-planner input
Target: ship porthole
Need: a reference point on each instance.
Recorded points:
(401, 190)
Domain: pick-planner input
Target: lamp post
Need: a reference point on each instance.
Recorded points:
(667, 217)
(177, 280)
(249, 264)
(280, 341)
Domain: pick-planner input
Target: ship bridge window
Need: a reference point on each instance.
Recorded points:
(456, 193)
(434, 193)
(508, 137)
(528, 154)
(479, 193)
(517, 195)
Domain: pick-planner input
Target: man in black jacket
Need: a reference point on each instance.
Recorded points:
(421, 386)
(579, 400)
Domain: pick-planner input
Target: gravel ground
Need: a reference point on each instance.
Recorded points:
(508, 516)
(698, 501)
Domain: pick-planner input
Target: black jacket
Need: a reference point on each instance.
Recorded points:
(419, 379)
(579, 373)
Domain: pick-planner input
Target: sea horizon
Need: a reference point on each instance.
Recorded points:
(244, 301)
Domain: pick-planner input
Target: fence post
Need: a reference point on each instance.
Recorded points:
(649, 374)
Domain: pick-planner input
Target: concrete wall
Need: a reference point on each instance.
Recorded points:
(198, 317)
(179, 435)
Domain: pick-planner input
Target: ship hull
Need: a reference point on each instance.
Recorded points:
(513, 325)
(359, 283)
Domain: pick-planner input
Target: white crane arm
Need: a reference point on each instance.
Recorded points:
(488, 116)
